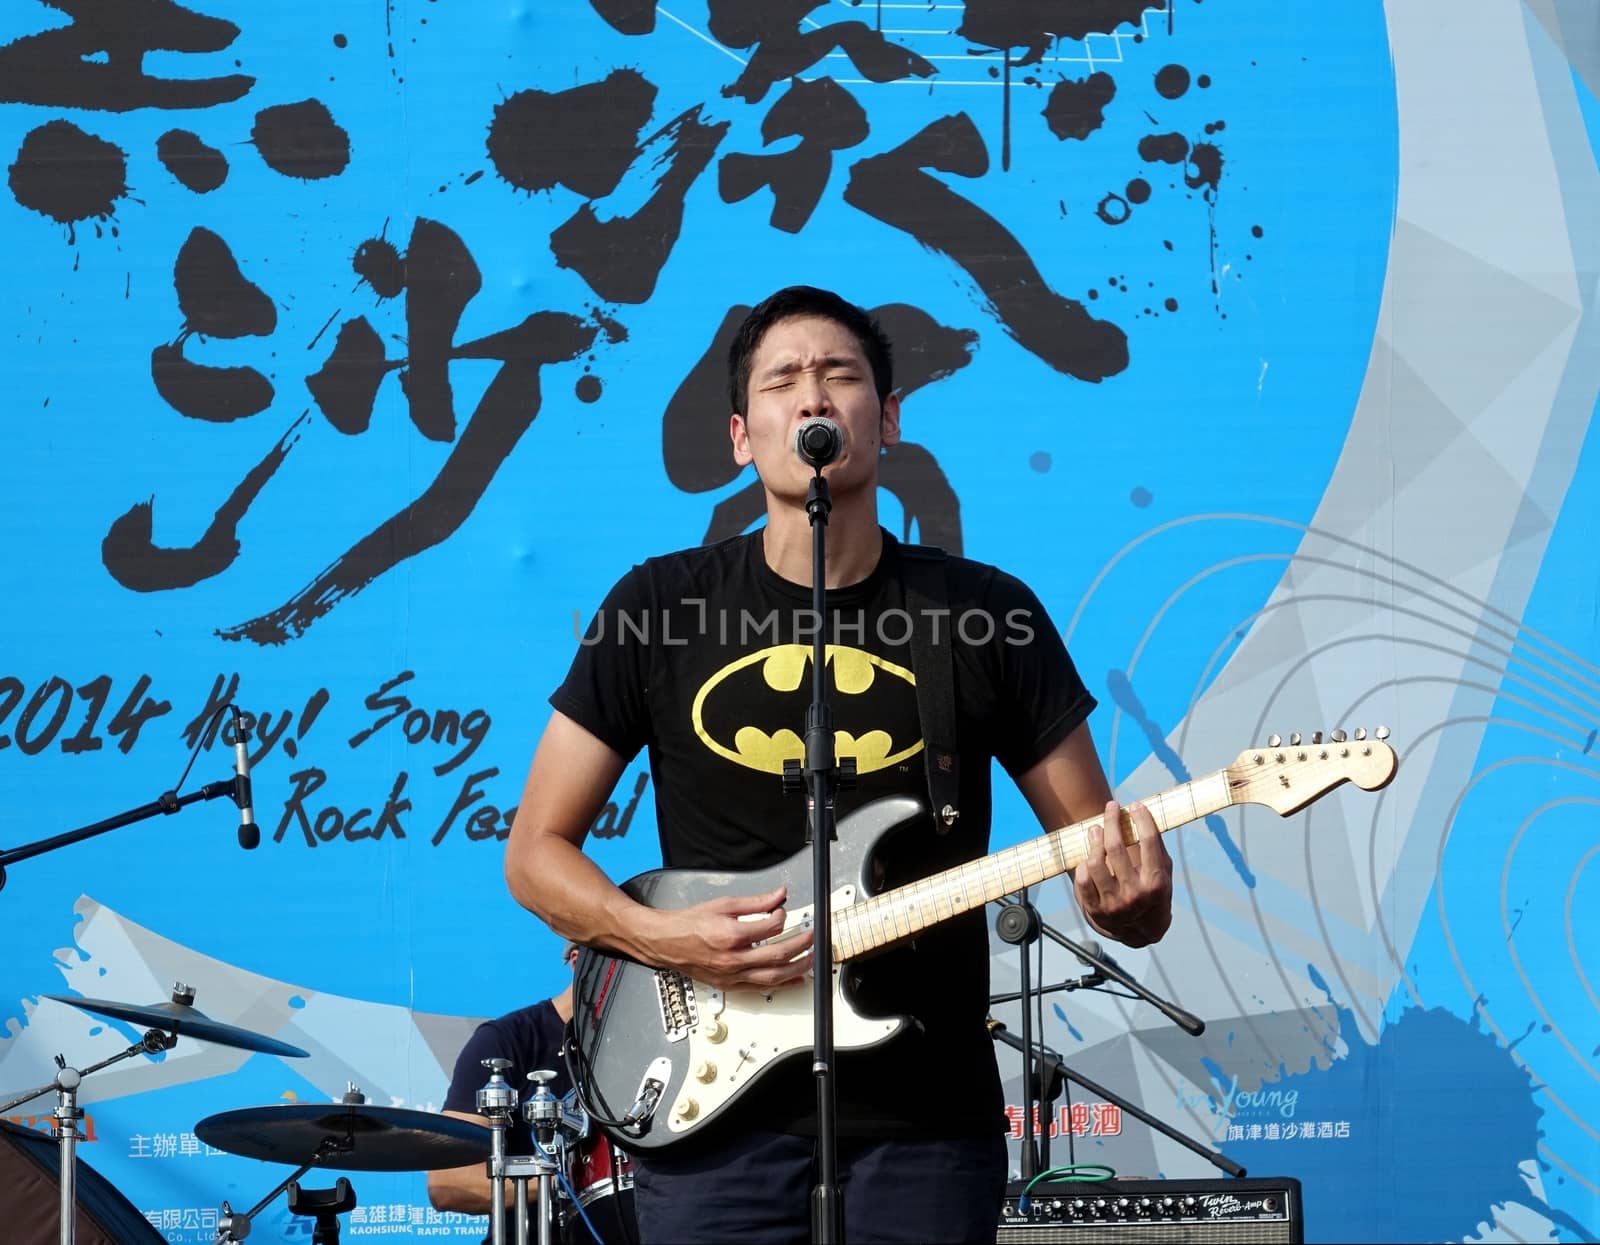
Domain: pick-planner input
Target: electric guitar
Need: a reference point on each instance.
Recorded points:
(658, 1056)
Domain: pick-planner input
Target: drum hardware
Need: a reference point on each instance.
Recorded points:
(181, 1018)
(496, 1100)
(169, 1021)
(348, 1134)
(324, 1206)
(556, 1123)
(234, 1226)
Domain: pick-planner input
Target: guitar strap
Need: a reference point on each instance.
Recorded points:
(933, 665)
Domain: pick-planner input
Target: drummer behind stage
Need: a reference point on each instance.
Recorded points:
(530, 1038)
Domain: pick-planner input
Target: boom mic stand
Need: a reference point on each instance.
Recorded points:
(821, 779)
(167, 802)
(1056, 1064)
(1020, 923)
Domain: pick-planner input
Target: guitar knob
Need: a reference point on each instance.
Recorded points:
(687, 1109)
(716, 1030)
(705, 1071)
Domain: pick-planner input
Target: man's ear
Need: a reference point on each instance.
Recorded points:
(740, 436)
(889, 426)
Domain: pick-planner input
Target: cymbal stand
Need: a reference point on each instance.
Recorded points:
(496, 1101)
(233, 1226)
(324, 1206)
(67, 1114)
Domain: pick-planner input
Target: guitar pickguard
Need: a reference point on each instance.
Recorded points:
(742, 1032)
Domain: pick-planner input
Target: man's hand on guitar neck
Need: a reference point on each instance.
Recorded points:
(1125, 890)
(732, 942)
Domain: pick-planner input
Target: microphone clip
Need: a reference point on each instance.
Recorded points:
(818, 441)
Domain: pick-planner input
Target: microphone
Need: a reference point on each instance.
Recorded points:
(249, 832)
(818, 441)
(1094, 955)
(1103, 966)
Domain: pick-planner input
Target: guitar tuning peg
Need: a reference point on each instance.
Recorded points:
(1381, 733)
(1339, 737)
(1294, 740)
(1316, 737)
(1361, 732)
(1274, 741)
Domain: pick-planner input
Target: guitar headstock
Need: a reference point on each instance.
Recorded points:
(1288, 775)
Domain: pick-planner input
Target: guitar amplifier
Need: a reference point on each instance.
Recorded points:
(1224, 1211)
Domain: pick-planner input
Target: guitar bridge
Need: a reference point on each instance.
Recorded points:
(679, 1011)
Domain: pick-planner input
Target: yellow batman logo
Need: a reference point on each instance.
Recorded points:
(751, 711)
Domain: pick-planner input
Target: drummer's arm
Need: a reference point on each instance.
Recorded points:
(465, 1189)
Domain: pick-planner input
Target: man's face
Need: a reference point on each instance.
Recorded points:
(805, 367)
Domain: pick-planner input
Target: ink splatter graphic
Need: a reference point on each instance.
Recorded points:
(1077, 106)
(583, 138)
(68, 175)
(302, 140)
(199, 166)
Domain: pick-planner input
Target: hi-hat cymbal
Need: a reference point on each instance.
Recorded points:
(347, 1136)
(185, 1021)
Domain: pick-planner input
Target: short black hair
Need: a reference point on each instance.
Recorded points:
(793, 302)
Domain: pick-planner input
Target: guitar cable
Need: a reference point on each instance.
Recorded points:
(575, 1056)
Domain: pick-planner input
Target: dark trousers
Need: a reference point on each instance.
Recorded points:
(755, 1188)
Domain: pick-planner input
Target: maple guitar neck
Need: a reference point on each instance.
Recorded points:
(1282, 777)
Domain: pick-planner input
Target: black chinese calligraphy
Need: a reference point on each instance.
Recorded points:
(438, 277)
(583, 138)
(132, 558)
(782, 50)
(896, 189)
(217, 300)
(97, 61)
(621, 258)
(1033, 25)
(629, 17)
(507, 410)
(826, 118)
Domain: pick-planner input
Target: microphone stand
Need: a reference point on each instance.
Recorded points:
(168, 802)
(1108, 969)
(65, 1118)
(1058, 1065)
(822, 779)
(1019, 923)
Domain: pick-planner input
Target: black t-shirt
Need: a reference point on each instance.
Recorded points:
(703, 657)
(530, 1038)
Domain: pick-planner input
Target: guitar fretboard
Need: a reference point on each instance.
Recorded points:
(906, 911)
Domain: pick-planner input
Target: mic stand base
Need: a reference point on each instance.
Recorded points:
(1220, 1161)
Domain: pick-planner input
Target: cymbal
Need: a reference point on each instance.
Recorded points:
(347, 1136)
(185, 1021)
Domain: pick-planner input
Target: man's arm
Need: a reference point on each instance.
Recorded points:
(572, 774)
(464, 1188)
(1125, 891)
